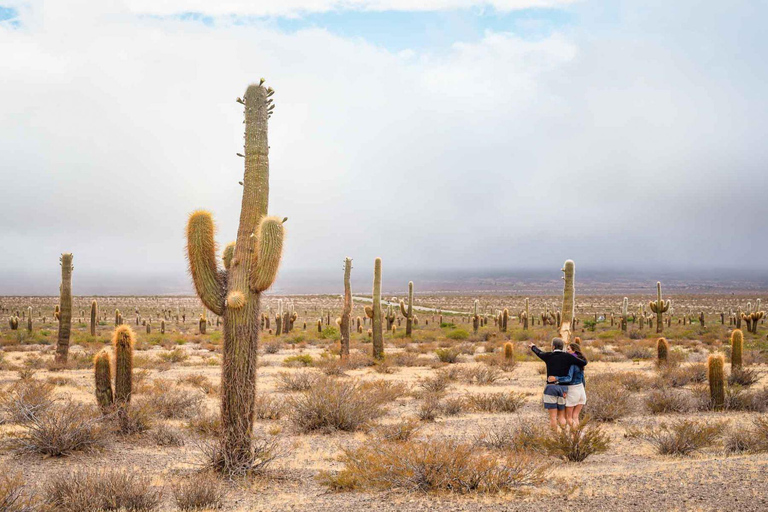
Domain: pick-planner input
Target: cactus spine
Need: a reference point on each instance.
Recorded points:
(659, 307)
(376, 327)
(569, 301)
(103, 378)
(408, 313)
(737, 347)
(65, 312)
(235, 292)
(94, 317)
(716, 378)
(346, 312)
(662, 350)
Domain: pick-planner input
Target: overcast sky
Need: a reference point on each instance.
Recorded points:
(436, 134)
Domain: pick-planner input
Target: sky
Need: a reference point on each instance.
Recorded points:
(440, 135)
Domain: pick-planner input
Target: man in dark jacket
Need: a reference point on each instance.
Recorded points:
(558, 363)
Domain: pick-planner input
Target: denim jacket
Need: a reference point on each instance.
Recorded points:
(574, 378)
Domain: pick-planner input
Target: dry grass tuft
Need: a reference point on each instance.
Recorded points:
(13, 495)
(681, 437)
(604, 401)
(92, 490)
(509, 401)
(60, 430)
(753, 438)
(301, 380)
(401, 431)
(666, 400)
(576, 444)
(26, 398)
(203, 491)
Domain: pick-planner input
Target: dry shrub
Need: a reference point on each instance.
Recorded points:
(92, 491)
(430, 407)
(206, 423)
(753, 438)
(435, 465)
(676, 376)
(383, 391)
(448, 355)
(743, 377)
(666, 400)
(264, 451)
(176, 355)
(482, 375)
(681, 437)
(201, 382)
(406, 359)
(174, 403)
(453, 405)
(60, 429)
(300, 380)
(736, 399)
(13, 496)
(605, 402)
(576, 444)
(267, 407)
(637, 352)
(526, 435)
(509, 401)
(400, 431)
(136, 417)
(273, 347)
(25, 398)
(334, 404)
(437, 383)
(167, 436)
(202, 491)
(635, 381)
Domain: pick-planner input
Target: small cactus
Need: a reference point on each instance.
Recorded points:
(202, 324)
(103, 377)
(509, 353)
(737, 348)
(29, 319)
(162, 326)
(376, 327)
(662, 350)
(624, 314)
(94, 317)
(716, 378)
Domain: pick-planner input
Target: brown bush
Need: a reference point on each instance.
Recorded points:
(174, 403)
(430, 407)
(666, 400)
(604, 401)
(482, 375)
(435, 465)
(273, 347)
(265, 451)
(92, 490)
(268, 407)
(202, 491)
(300, 380)
(13, 495)
(448, 355)
(167, 436)
(526, 435)
(334, 404)
(25, 398)
(576, 444)
(60, 430)
(681, 437)
(201, 382)
(400, 431)
(753, 438)
(136, 417)
(508, 401)
(205, 423)
(743, 377)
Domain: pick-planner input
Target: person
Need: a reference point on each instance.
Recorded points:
(558, 363)
(576, 395)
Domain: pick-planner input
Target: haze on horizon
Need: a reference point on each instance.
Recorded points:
(440, 134)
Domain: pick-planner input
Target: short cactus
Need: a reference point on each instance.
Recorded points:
(29, 319)
(716, 378)
(662, 350)
(624, 314)
(504, 320)
(94, 317)
(123, 342)
(202, 324)
(65, 314)
(737, 348)
(162, 326)
(475, 318)
(103, 378)
(659, 307)
(509, 352)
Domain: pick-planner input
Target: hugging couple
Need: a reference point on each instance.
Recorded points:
(564, 395)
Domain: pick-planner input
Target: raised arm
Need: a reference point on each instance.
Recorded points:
(541, 355)
(578, 361)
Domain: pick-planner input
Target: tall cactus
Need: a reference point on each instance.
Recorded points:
(408, 312)
(123, 341)
(659, 307)
(569, 300)
(527, 314)
(376, 328)
(716, 378)
(94, 317)
(737, 348)
(234, 293)
(65, 311)
(624, 313)
(346, 312)
(29, 319)
(475, 318)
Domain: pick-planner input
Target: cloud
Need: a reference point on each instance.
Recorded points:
(637, 146)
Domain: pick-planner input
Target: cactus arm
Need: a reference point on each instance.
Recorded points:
(201, 254)
(229, 253)
(269, 252)
(403, 311)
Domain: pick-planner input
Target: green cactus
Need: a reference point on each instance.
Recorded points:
(737, 348)
(117, 317)
(29, 319)
(65, 312)
(509, 352)
(103, 378)
(234, 293)
(279, 318)
(527, 313)
(390, 315)
(162, 326)
(716, 378)
(202, 324)
(659, 307)
(123, 342)
(569, 300)
(662, 350)
(376, 327)
(408, 312)
(94, 317)
(753, 316)
(475, 318)
(346, 312)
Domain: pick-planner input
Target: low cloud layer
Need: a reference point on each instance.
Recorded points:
(632, 138)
